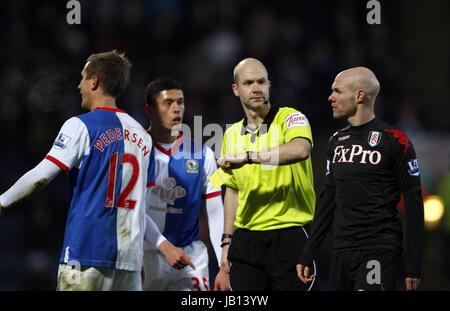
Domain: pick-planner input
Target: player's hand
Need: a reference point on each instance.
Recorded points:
(303, 273)
(412, 283)
(222, 281)
(229, 162)
(175, 256)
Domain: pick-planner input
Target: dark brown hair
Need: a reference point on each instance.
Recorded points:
(112, 70)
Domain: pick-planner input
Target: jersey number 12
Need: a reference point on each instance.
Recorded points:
(123, 201)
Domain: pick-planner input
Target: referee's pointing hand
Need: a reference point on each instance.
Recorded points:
(229, 162)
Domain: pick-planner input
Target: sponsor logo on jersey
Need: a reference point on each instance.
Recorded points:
(374, 138)
(168, 192)
(168, 210)
(296, 119)
(61, 141)
(413, 167)
(191, 166)
(356, 154)
(343, 137)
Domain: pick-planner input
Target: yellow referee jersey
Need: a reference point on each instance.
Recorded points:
(271, 197)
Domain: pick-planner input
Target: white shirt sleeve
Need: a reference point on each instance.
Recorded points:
(214, 204)
(152, 234)
(67, 151)
(209, 168)
(214, 213)
(71, 144)
(29, 183)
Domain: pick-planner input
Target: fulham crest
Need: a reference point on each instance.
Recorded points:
(374, 138)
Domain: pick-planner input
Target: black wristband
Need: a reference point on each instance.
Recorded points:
(226, 236)
(225, 243)
(249, 157)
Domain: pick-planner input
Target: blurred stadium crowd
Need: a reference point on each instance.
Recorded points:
(304, 44)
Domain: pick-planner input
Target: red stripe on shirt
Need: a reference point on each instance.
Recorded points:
(161, 148)
(212, 195)
(171, 150)
(109, 109)
(58, 163)
(151, 184)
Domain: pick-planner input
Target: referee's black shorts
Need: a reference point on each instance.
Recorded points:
(266, 260)
(376, 269)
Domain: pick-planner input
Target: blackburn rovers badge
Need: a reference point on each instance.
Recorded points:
(192, 166)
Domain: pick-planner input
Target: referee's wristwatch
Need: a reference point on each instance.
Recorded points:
(225, 236)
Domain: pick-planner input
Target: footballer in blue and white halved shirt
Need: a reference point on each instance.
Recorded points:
(181, 193)
(108, 157)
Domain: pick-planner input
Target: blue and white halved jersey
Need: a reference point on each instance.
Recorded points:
(110, 162)
(181, 188)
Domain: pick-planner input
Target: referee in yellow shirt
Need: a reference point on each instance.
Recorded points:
(270, 196)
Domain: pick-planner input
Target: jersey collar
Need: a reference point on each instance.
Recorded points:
(261, 129)
(362, 127)
(172, 150)
(109, 109)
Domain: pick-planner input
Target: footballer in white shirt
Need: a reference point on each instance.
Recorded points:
(182, 191)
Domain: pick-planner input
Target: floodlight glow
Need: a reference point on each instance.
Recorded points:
(433, 210)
